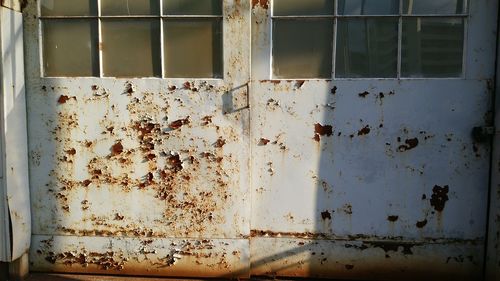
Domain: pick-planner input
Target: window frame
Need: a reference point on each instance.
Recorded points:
(465, 16)
(161, 17)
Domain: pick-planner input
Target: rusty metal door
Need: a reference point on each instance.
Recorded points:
(138, 176)
(374, 174)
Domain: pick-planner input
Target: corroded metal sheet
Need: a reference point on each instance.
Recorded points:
(141, 256)
(387, 160)
(141, 157)
(144, 158)
(370, 158)
(14, 167)
(492, 271)
(367, 260)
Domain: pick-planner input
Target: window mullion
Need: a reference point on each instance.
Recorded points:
(400, 38)
(99, 39)
(162, 42)
(334, 47)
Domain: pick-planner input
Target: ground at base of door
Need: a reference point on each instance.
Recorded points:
(71, 277)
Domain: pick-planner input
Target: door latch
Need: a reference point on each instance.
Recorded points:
(483, 134)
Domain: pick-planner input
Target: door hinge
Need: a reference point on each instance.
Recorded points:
(482, 134)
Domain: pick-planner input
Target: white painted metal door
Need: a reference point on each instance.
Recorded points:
(374, 174)
(15, 220)
(140, 176)
(357, 173)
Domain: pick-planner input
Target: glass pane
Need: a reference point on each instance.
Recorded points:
(368, 7)
(418, 7)
(192, 7)
(68, 8)
(131, 48)
(301, 7)
(432, 47)
(130, 7)
(302, 48)
(367, 48)
(193, 48)
(70, 48)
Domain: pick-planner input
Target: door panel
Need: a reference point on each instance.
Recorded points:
(371, 178)
(121, 164)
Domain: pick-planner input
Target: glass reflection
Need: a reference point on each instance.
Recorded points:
(302, 48)
(301, 7)
(368, 7)
(419, 7)
(432, 47)
(367, 48)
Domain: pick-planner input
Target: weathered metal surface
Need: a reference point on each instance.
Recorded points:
(141, 256)
(137, 159)
(389, 164)
(383, 160)
(367, 260)
(493, 251)
(16, 5)
(375, 158)
(141, 158)
(14, 167)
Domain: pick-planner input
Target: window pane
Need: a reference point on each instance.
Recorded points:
(368, 7)
(130, 7)
(418, 7)
(432, 47)
(192, 7)
(301, 7)
(131, 48)
(367, 48)
(193, 48)
(68, 8)
(302, 48)
(70, 48)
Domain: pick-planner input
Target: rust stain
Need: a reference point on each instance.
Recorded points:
(326, 215)
(175, 163)
(300, 83)
(263, 3)
(389, 246)
(63, 99)
(421, 224)
(363, 94)
(347, 208)
(349, 266)
(206, 120)
(220, 143)
(179, 123)
(322, 130)
(439, 197)
(409, 144)
(105, 261)
(117, 149)
(263, 141)
(365, 131)
(392, 218)
(268, 233)
(72, 151)
(119, 217)
(275, 82)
